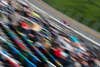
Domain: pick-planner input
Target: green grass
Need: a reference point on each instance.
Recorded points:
(84, 11)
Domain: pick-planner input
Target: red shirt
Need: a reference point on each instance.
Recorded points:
(24, 25)
(57, 52)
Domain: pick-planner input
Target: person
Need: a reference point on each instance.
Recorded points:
(96, 62)
(85, 64)
(62, 56)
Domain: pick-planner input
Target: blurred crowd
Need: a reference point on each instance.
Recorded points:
(28, 40)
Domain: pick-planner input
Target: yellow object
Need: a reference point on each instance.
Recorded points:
(35, 14)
